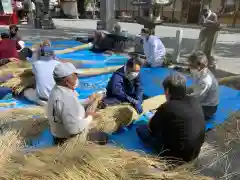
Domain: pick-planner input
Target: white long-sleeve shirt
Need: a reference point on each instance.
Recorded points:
(154, 51)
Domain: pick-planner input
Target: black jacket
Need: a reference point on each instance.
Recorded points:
(180, 127)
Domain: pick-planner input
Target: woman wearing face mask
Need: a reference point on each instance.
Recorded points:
(205, 87)
(153, 47)
(125, 86)
(67, 116)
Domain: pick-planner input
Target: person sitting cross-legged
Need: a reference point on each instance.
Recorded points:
(66, 114)
(125, 86)
(177, 129)
(43, 73)
(205, 87)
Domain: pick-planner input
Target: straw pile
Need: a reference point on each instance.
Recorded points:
(29, 122)
(14, 68)
(20, 81)
(75, 161)
(110, 119)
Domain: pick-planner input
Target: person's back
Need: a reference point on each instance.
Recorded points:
(8, 48)
(43, 71)
(177, 129)
(181, 125)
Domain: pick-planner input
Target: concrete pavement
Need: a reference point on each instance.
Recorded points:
(227, 48)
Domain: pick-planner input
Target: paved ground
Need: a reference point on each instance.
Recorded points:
(227, 48)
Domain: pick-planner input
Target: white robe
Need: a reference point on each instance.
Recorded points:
(154, 51)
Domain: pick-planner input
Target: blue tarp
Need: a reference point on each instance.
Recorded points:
(152, 82)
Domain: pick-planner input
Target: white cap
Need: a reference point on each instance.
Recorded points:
(64, 69)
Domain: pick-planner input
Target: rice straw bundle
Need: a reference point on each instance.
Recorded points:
(75, 161)
(21, 113)
(19, 83)
(9, 143)
(112, 118)
(30, 122)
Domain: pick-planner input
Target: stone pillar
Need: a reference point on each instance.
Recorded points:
(107, 14)
(179, 36)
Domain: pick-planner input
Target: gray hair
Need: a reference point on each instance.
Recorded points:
(198, 58)
(176, 85)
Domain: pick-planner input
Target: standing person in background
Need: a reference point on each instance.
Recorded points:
(153, 47)
(208, 35)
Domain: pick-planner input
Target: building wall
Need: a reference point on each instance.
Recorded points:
(216, 5)
(167, 11)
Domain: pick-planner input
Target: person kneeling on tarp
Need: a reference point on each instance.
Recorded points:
(43, 72)
(153, 47)
(205, 87)
(177, 129)
(101, 42)
(125, 86)
(67, 116)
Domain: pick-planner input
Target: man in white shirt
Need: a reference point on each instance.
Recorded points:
(153, 47)
(67, 116)
(43, 72)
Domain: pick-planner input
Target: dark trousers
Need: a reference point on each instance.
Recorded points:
(209, 111)
(149, 140)
(177, 155)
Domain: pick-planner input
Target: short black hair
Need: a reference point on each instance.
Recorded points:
(5, 35)
(175, 83)
(135, 60)
(13, 26)
(146, 31)
(25, 53)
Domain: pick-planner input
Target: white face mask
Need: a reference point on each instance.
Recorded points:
(132, 75)
(76, 84)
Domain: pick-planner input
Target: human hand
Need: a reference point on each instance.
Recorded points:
(138, 108)
(13, 59)
(93, 114)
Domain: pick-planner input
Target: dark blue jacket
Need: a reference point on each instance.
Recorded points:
(120, 89)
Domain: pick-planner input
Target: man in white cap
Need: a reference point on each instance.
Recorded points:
(67, 116)
(43, 72)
